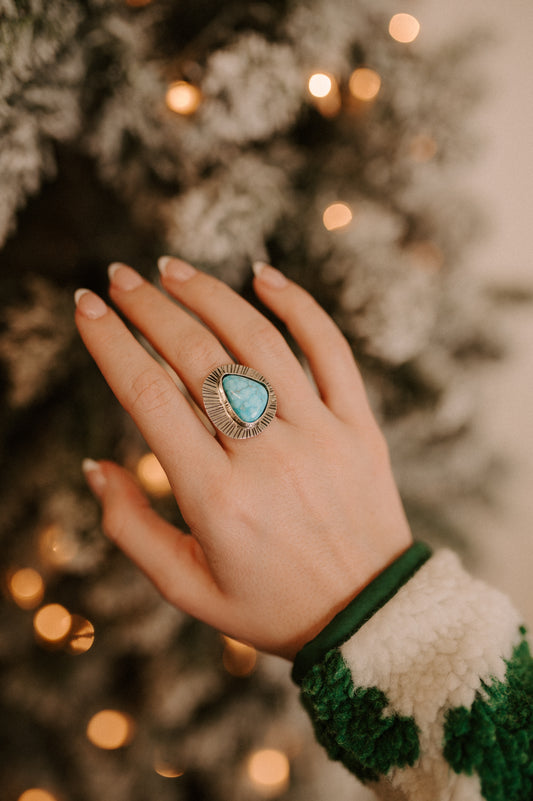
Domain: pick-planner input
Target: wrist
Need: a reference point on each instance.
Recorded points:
(346, 621)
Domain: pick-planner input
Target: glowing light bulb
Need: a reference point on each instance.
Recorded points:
(152, 476)
(81, 635)
(26, 587)
(404, 28)
(269, 771)
(52, 623)
(36, 794)
(320, 84)
(364, 83)
(110, 729)
(337, 215)
(238, 659)
(183, 98)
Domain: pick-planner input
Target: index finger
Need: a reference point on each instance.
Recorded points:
(162, 414)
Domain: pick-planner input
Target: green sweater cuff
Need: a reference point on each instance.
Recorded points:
(364, 605)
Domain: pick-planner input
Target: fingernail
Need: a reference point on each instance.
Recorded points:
(269, 275)
(123, 277)
(89, 304)
(180, 270)
(94, 476)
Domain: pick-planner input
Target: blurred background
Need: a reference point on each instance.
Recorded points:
(378, 153)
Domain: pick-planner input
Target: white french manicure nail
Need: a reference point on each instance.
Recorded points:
(94, 476)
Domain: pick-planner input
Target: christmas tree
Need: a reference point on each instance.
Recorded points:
(315, 134)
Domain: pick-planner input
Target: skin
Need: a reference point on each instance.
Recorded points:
(287, 527)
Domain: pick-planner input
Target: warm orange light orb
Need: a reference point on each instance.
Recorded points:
(110, 729)
(52, 623)
(320, 84)
(238, 659)
(152, 476)
(36, 794)
(269, 771)
(167, 771)
(364, 83)
(26, 587)
(183, 98)
(337, 215)
(57, 546)
(404, 28)
(81, 635)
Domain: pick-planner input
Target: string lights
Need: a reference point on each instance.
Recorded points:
(364, 84)
(52, 624)
(269, 771)
(152, 476)
(56, 546)
(337, 215)
(183, 97)
(36, 794)
(80, 637)
(404, 28)
(110, 729)
(238, 659)
(26, 587)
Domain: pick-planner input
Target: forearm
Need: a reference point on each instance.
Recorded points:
(427, 694)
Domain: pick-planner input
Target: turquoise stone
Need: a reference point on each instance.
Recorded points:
(247, 398)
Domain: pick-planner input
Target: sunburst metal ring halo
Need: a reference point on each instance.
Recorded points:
(239, 401)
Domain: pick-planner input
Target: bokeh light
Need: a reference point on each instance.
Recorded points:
(26, 587)
(364, 83)
(52, 623)
(36, 794)
(337, 215)
(81, 636)
(183, 98)
(320, 84)
(57, 547)
(167, 771)
(238, 659)
(404, 28)
(269, 771)
(110, 729)
(152, 476)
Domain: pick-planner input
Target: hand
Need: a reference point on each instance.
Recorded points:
(286, 527)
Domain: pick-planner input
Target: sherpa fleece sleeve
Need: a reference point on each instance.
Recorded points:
(423, 686)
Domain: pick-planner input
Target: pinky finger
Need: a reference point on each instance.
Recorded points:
(327, 351)
(173, 560)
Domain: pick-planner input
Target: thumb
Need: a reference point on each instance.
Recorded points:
(173, 560)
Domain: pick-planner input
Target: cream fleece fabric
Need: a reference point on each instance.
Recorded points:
(429, 649)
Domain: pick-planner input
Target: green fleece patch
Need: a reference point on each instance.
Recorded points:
(356, 725)
(495, 737)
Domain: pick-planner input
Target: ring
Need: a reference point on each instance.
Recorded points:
(239, 401)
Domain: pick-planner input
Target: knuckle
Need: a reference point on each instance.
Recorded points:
(151, 391)
(264, 337)
(197, 347)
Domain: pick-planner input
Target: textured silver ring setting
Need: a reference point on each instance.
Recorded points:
(239, 401)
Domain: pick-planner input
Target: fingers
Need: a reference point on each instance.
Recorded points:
(165, 419)
(325, 348)
(171, 559)
(183, 342)
(192, 349)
